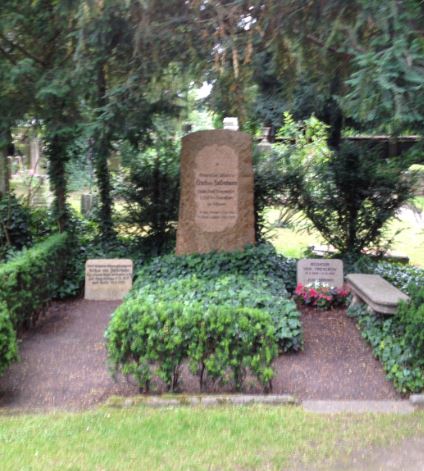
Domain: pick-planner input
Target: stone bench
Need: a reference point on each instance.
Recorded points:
(379, 294)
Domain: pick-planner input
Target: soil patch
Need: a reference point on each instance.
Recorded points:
(64, 365)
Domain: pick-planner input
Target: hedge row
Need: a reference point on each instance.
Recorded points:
(223, 313)
(28, 283)
(148, 339)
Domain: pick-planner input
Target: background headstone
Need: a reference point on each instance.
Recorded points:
(108, 279)
(328, 271)
(216, 201)
(231, 123)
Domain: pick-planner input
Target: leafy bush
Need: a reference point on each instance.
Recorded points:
(235, 291)
(348, 194)
(28, 282)
(403, 277)
(149, 187)
(250, 262)
(33, 278)
(146, 338)
(14, 225)
(398, 342)
(411, 317)
(8, 346)
(225, 311)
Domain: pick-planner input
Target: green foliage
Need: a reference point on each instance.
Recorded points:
(398, 342)
(231, 290)
(31, 279)
(147, 338)
(15, 223)
(384, 88)
(269, 181)
(150, 189)
(411, 317)
(253, 261)
(8, 346)
(348, 195)
(227, 312)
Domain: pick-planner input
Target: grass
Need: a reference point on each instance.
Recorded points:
(224, 438)
(409, 239)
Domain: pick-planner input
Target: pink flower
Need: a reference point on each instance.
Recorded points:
(313, 293)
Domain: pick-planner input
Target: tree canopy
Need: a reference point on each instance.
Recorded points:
(103, 71)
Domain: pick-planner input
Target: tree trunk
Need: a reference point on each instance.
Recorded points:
(101, 151)
(5, 147)
(56, 153)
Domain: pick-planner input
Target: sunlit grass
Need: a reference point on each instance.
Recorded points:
(222, 438)
(408, 241)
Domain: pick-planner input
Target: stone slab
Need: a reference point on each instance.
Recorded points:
(358, 407)
(328, 271)
(108, 279)
(216, 200)
(379, 294)
(207, 400)
(417, 400)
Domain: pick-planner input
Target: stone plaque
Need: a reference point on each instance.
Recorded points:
(108, 279)
(321, 270)
(216, 201)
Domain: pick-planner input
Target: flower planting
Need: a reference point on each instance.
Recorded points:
(321, 296)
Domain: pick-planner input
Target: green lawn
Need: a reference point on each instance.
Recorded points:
(223, 438)
(409, 240)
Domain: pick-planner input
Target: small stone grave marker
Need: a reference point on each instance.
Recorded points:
(108, 279)
(321, 270)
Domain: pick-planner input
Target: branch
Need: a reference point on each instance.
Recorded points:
(21, 49)
(8, 56)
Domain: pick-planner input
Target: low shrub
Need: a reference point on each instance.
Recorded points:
(33, 278)
(398, 341)
(146, 338)
(411, 318)
(14, 225)
(28, 282)
(403, 277)
(232, 313)
(235, 291)
(8, 346)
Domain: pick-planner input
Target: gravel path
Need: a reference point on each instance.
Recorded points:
(63, 362)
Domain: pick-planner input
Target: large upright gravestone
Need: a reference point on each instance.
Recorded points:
(216, 201)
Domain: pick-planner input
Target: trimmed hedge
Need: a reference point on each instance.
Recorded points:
(148, 339)
(8, 344)
(28, 283)
(33, 278)
(235, 291)
(220, 312)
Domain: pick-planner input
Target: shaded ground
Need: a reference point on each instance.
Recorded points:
(63, 362)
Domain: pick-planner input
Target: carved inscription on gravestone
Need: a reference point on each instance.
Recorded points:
(108, 279)
(216, 189)
(216, 201)
(329, 272)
